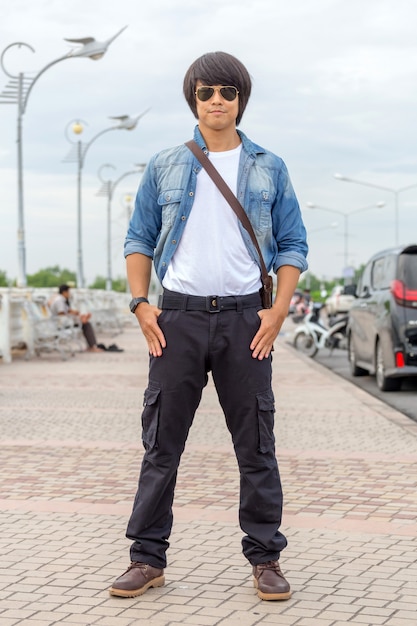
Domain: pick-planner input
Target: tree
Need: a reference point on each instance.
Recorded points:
(118, 284)
(3, 279)
(99, 283)
(51, 277)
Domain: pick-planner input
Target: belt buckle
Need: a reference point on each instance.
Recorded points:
(212, 304)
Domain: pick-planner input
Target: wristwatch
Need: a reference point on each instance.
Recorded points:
(134, 303)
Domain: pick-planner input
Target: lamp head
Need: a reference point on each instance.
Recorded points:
(77, 128)
(90, 48)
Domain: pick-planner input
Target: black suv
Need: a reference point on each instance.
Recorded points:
(382, 327)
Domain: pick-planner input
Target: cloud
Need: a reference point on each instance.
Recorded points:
(333, 89)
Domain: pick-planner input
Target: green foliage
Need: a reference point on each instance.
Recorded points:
(54, 276)
(317, 286)
(99, 283)
(118, 284)
(51, 277)
(3, 279)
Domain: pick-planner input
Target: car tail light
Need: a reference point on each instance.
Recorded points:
(399, 359)
(402, 295)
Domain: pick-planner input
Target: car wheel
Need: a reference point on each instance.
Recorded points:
(305, 343)
(383, 382)
(355, 370)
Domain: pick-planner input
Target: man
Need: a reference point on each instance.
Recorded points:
(199, 249)
(60, 305)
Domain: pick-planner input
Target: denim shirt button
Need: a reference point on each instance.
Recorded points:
(191, 193)
(183, 218)
(174, 241)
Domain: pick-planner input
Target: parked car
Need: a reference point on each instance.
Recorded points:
(382, 327)
(340, 300)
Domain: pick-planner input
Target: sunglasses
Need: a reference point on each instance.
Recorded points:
(229, 93)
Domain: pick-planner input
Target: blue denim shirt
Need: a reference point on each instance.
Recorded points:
(166, 194)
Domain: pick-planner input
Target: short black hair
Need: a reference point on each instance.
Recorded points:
(63, 288)
(218, 68)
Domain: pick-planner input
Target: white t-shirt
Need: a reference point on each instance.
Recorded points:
(212, 258)
(59, 305)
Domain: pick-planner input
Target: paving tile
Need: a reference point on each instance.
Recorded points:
(349, 471)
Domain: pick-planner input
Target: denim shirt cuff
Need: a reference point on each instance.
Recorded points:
(291, 258)
(132, 247)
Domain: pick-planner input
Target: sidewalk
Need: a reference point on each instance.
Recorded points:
(70, 454)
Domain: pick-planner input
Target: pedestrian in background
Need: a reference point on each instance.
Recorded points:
(61, 305)
(210, 318)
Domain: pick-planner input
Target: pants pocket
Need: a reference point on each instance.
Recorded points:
(150, 418)
(266, 410)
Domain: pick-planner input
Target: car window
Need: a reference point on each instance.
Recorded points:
(407, 270)
(390, 271)
(383, 272)
(378, 273)
(364, 284)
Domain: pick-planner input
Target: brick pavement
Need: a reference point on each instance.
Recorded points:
(70, 455)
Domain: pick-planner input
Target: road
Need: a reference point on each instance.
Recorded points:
(404, 400)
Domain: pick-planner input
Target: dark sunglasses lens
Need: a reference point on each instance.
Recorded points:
(205, 93)
(228, 93)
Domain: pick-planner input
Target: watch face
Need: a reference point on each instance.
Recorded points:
(134, 303)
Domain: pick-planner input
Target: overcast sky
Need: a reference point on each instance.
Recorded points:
(334, 90)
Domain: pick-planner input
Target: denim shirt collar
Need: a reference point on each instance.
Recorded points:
(248, 146)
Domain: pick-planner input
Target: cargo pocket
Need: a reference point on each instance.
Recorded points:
(266, 410)
(150, 418)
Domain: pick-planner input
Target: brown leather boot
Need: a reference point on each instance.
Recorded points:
(270, 582)
(136, 580)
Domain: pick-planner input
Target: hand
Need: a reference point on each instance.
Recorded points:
(147, 316)
(84, 317)
(263, 342)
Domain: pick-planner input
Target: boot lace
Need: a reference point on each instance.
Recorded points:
(270, 565)
(137, 565)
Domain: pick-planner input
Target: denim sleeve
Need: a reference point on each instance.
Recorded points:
(145, 223)
(288, 225)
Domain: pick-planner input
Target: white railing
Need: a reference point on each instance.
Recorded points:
(26, 323)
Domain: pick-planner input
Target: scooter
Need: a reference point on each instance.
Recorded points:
(312, 335)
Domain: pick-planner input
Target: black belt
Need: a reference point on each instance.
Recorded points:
(211, 304)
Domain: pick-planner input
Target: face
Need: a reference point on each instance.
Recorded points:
(216, 113)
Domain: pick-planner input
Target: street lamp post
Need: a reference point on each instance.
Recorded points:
(396, 193)
(17, 91)
(127, 201)
(107, 189)
(345, 216)
(126, 122)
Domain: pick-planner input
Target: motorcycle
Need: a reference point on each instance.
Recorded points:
(312, 335)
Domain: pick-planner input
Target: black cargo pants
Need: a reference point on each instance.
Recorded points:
(199, 342)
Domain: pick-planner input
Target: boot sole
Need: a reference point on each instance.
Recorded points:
(286, 595)
(133, 593)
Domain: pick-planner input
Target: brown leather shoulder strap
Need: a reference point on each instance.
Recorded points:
(228, 195)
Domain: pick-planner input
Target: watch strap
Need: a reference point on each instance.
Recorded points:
(135, 302)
